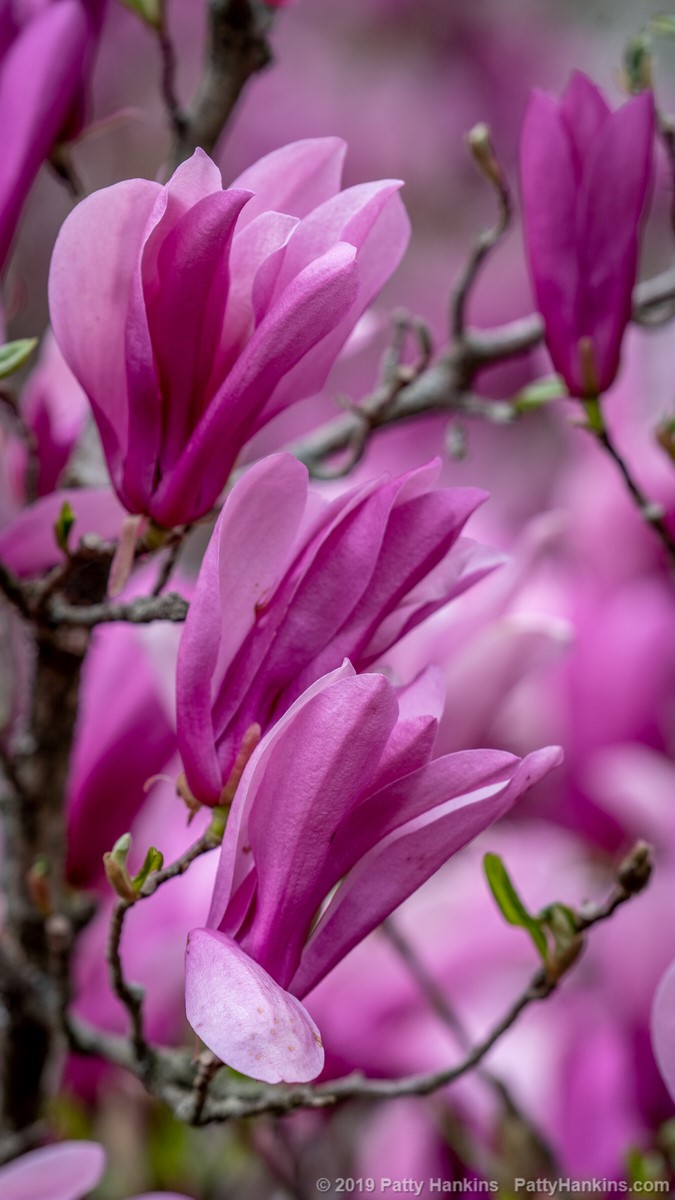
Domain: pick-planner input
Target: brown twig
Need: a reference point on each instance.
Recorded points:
(141, 611)
(237, 49)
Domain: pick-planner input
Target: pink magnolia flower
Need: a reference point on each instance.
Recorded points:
(585, 178)
(191, 315)
(290, 586)
(46, 50)
(341, 789)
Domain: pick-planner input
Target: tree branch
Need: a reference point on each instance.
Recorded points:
(237, 49)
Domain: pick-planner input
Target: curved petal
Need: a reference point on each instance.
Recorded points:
(309, 309)
(263, 510)
(610, 208)
(93, 265)
(403, 861)
(244, 1017)
(314, 776)
(63, 1172)
(39, 82)
(293, 179)
(548, 182)
(235, 858)
(372, 218)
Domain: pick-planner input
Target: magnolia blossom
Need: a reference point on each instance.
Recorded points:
(45, 52)
(191, 315)
(585, 176)
(290, 586)
(343, 788)
(64, 1172)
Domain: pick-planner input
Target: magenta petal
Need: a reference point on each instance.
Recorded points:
(309, 309)
(64, 1172)
(610, 208)
(663, 1028)
(404, 860)
(89, 307)
(585, 110)
(320, 766)
(294, 179)
(235, 858)
(28, 546)
(264, 508)
(244, 1017)
(548, 186)
(39, 82)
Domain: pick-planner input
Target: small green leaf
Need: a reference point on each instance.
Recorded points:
(154, 861)
(115, 863)
(63, 526)
(539, 393)
(150, 11)
(662, 24)
(13, 355)
(509, 903)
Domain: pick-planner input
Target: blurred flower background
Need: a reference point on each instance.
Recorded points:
(571, 642)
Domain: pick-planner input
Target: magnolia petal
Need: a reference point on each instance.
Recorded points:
(403, 861)
(549, 189)
(89, 307)
(663, 1028)
(263, 510)
(244, 1017)
(293, 179)
(64, 1172)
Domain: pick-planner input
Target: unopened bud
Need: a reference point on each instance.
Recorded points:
(115, 863)
(479, 141)
(635, 871)
(38, 887)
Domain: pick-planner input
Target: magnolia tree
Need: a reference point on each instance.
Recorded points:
(268, 670)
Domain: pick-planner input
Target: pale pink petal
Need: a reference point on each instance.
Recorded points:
(244, 1017)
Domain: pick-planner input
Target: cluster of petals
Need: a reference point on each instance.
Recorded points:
(192, 314)
(291, 585)
(45, 50)
(342, 813)
(585, 179)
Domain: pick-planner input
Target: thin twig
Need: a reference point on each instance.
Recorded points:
(131, 995)
(480, 144)
(170, 560)
(650, 512)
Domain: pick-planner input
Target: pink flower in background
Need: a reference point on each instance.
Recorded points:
(46, 52)
(585, 178)
(191, 315)
(342, 789)
(290, 586)
(663, 1028)
(63, 1172)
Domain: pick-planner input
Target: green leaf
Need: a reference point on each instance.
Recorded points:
(13, 355)
(154, 861)
(64, 524)
(662, 24)
(509, 903)
(539, 393)
(150, 11)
